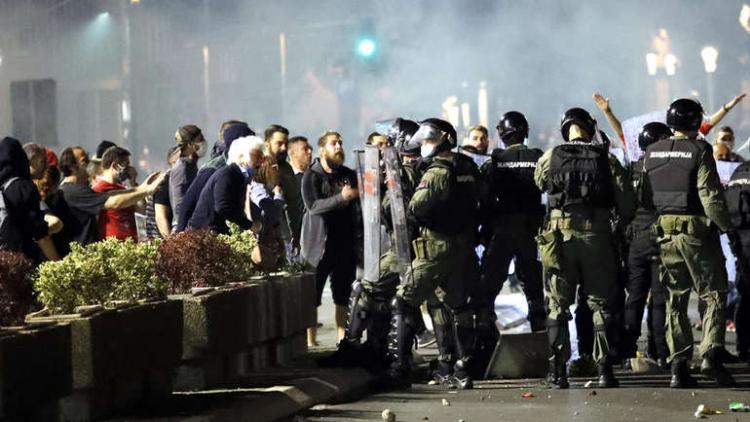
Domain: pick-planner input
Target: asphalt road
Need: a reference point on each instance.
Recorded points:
(642, 397)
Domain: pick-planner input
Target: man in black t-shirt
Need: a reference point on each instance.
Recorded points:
(85, 204)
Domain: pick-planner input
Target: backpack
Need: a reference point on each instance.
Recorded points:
(10, 239)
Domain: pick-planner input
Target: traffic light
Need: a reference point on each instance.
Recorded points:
(367, 47)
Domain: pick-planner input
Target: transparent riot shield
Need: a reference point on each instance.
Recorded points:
(370, 197)
(401, 243)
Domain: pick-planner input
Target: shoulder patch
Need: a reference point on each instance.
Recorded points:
(423, 184)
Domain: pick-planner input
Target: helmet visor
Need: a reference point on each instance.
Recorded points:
(426, 132)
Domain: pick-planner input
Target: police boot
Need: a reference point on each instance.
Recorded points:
(377, 335)
(349, 351)
(487, 336)
(606, 375)
(681, 377)
(712, 367)
(558, 369)
(401, 342)
(463, 331)
(537, 317)
(557, 373)
(446, 344)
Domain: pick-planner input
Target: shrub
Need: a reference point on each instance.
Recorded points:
(242, 242)
(100, 273)
(199, 258)
(16, 293)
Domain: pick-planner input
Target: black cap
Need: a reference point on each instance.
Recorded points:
(101, 148)
(685, 114)
(581, 118)
(651, 133)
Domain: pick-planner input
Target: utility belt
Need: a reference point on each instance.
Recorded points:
(579, 224)
(697, 226)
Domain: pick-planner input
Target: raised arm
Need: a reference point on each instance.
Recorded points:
(603, 104)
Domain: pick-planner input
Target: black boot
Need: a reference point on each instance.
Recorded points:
(558, 370)
(681, 377)
(463, 329)
(537, 317)
(558, 373)
(446, 345)
(712, 367)
(401, 342)
(606, 376)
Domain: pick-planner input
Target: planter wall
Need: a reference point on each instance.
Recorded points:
(35, 371)
(120, 358)
(231, 332)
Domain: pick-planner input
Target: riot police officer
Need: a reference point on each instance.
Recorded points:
(738, 202)
(369, 307)
(643, 262)
(445, 259)
(512, 215)
(584, 185)
(686, 191)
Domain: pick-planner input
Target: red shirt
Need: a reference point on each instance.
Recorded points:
(115, 223)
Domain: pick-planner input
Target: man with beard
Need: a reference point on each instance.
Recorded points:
(330, 225)
(477, 144)
(276, 172)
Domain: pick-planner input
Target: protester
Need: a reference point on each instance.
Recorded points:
(224, 198)
(329, 229)
(724, 146)
(229, 131)
(159, 216)
(23, 229)
(192, 146)
(85, 204)
(300, 156)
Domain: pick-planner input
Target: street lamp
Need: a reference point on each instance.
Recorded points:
(652, 63)
(745, 17)
(670, 64)
(710, 56)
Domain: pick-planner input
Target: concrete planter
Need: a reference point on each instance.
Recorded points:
(215, 334)
(29, 355)
(119, 358)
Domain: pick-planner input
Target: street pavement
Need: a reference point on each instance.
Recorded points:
(642, 397)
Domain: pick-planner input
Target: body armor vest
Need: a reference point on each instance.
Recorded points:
(510, 174)
(460, 211)
(645, 215)
(738, 196)
(672, 168)
(579, 174)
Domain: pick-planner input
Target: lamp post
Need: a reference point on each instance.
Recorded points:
(710, 56)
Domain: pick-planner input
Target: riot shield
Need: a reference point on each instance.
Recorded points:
(370, 196)
(401, 242)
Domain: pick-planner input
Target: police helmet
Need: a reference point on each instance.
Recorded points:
(579, 117)
(511, 125)
(685, 114)
(651, 133)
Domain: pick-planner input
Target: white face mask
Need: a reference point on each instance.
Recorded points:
(202, 149)
(426, 150)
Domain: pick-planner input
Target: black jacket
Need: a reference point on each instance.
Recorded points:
(21, 198)
(328, 218)
(222, 200)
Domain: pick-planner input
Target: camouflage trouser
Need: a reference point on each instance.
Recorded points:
(586, 258)
(693, 262)
(388, 278)
(450, 266)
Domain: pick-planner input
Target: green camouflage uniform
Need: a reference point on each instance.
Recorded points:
(577, 247)
(692, 258)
